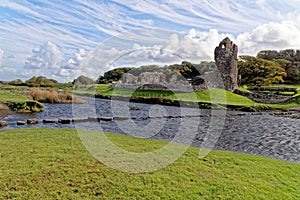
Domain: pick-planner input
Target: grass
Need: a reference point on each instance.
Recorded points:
(53, 164)
(19, 102)
(9, 97)
(215, 96)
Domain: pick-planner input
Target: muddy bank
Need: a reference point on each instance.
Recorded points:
(5, 111)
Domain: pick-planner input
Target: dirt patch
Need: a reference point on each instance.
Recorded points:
(5, 111)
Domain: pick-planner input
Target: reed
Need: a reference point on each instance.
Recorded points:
(52, 96)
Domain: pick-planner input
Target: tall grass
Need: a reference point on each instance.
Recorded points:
(52, 96)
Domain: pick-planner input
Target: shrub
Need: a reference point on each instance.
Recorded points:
(52, 96)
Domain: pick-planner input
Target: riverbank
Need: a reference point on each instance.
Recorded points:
(5, 111)
(269, 134)
(68, 171)
(18, 103)
(216, 98)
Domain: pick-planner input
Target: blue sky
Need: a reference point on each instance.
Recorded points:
(65, 38)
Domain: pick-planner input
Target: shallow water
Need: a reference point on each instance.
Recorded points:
(251, 133)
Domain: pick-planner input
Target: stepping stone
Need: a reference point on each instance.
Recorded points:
(120, 118)
(134, 108)
(80, 119)
(3, 124)
(168, 116)
(21, 122)
(32, 121)
(48, 121)
(106, 118)
(295, 109)
(64, 120)
(93, 118)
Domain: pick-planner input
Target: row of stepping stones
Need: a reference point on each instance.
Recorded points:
(61, 120)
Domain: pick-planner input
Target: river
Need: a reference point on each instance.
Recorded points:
(252, 133)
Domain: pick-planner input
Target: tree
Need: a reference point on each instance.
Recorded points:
(40, 81)
(113, 75)
(257, 71)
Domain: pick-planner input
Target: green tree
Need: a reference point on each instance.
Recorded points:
(113, 75)
(40, 81)
(257, 71)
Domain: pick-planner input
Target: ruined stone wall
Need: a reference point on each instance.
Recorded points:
(226, 77)
(210, 80)
(226, 61)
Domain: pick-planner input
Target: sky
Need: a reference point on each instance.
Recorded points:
(63, 39)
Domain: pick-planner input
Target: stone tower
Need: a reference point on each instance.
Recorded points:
(226, 61)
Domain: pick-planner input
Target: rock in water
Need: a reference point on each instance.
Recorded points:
(48, 121)
(226, 61)
(21, 122)
(64, 120)
(32, 121)
(3, 124)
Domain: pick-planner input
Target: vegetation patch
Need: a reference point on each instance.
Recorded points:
(53, 164)
(18, 102)
(26, 106)
(52, 96)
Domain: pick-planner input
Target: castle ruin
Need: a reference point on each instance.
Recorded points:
(227, 62)
(226, 77)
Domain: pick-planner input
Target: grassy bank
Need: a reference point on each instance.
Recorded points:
(53, 164)
(204, 98)
(19, 102)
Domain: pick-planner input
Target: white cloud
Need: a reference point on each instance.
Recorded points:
(270, 36)
(45, 61)
(226, 15)
(46, 57)
(73, 68)
(194, 46)
(84, 24)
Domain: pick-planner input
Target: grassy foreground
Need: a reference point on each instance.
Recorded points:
(53, 164)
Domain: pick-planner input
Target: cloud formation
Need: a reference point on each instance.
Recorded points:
(73, 67)
(270, 36)
(194, 46)
(77, 24)
(45, 61)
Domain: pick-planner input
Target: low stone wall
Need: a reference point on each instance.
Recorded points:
(177, 87)
(210, 81)
(263, 98)
(272, 89)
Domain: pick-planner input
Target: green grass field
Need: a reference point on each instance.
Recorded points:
(53, 164)
(215, 96)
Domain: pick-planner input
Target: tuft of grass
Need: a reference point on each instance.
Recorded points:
(52, 96)
(53, 164)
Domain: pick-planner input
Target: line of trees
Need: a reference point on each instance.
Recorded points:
(186, 69)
